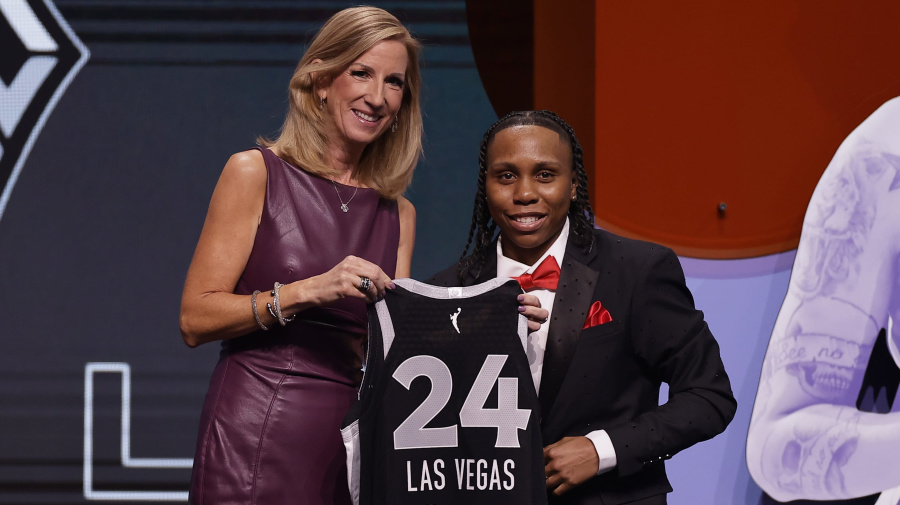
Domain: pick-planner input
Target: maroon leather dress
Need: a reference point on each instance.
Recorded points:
(270, 428)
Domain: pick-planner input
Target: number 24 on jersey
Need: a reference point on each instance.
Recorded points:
(507, 418)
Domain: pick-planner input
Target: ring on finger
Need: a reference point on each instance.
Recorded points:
(364, 283)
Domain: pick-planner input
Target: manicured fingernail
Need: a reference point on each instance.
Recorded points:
(521, 298)
(392, 285)
(521, 308)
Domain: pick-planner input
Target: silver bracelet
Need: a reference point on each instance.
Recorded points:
(276, 302)
(255, 313)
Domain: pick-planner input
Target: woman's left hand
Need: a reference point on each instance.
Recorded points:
(530, 306)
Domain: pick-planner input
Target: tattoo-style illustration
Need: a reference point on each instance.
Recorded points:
(838, 221)
(814, 457)
(823, 425)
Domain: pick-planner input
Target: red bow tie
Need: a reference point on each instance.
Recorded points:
(545, 276)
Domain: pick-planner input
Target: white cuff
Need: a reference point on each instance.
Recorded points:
(606, 453)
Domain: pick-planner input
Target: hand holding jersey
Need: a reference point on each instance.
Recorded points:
(530, 307)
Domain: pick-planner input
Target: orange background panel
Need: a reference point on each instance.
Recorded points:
(564, 66)
(700, 103)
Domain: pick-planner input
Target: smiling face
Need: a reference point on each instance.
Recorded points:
(364, 99)
(529, 186)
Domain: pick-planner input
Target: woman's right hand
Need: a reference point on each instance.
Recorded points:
(345, 280)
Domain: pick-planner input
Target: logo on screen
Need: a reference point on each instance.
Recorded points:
(40, 56)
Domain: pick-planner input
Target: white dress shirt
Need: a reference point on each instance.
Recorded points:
(537, 340)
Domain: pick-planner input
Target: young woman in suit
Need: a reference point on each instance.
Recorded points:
(622, 320)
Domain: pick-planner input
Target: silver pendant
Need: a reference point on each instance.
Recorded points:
(344, 207)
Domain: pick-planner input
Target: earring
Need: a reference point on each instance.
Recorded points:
(394, 126)
(321, 103)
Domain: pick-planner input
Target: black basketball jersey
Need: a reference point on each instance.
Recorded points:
(447, 411)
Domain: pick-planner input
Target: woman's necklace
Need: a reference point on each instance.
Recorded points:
(345, 206)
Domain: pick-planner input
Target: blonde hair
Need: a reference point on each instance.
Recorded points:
(387, 163)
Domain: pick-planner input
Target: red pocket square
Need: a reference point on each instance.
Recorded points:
(597, 315)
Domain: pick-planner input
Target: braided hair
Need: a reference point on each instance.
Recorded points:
(483, 228)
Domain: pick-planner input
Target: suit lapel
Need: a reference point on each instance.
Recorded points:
(575, 290)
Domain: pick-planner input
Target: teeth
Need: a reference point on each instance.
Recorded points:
(526, 220)
(831, 382)
(365, 116)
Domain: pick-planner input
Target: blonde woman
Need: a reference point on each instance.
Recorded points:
(300, 234)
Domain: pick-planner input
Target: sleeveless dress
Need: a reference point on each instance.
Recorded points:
(270, 427)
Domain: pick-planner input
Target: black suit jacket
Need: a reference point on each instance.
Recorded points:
(608, 376)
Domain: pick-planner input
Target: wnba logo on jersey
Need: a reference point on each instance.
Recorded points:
(454, 318)
(40, 56)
